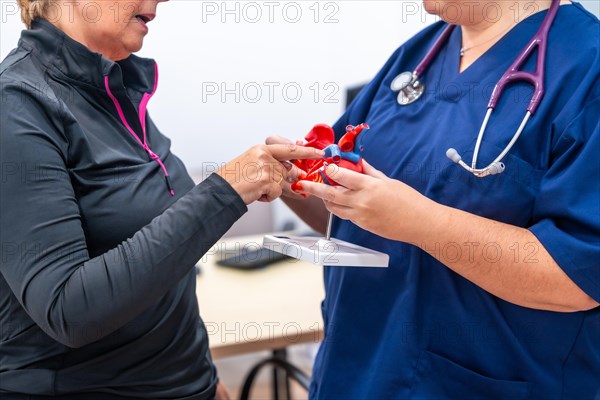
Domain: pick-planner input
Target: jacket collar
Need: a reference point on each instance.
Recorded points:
(67, 57)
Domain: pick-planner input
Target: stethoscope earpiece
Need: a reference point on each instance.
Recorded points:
(495, 168)
(453, 155)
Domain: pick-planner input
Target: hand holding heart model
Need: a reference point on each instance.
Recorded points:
(347, 153)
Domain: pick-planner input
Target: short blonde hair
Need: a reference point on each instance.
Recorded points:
(32, 9)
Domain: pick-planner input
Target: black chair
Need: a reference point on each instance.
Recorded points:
(281, 382)
(352, 92)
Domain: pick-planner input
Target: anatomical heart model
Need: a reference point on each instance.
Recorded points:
(347, 153)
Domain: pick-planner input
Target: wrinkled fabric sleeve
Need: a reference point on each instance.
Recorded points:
(567, 210)
(44, 256)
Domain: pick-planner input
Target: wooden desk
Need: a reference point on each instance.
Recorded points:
(266, 309)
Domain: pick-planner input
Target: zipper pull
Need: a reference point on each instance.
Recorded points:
(169, 187)
(152, 154)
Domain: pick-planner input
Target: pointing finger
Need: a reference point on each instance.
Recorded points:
(276, 139)
(284, 152)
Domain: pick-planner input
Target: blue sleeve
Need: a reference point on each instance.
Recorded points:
(45, 259)
(567, 210)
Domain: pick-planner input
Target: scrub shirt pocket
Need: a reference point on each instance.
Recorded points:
(437, 377)
(508, 197)
(521, 172)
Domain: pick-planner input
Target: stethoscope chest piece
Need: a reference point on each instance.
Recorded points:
(409, 89)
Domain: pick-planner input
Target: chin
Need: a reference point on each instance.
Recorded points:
(136, 44)
(430, 6)
(133, 47)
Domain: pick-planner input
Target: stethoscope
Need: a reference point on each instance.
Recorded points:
(410, 89)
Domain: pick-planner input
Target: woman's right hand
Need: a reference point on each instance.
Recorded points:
(261, 172)
(311, 210)
(293, 171)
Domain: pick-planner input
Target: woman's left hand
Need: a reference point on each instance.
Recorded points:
(371, 200)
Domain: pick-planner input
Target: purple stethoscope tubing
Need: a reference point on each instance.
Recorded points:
(433, 52)
(513, 74)
(540, 39)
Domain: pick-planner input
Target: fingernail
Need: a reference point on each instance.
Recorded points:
(297, 187)
(320, 152)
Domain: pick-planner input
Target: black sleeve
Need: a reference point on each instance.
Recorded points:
(44, 256)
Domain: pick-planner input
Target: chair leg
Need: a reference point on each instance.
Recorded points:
(291, 373)
(275, 383)
(281, 379)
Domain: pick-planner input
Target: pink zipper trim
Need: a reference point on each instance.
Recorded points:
(145, 100)
(142, 116)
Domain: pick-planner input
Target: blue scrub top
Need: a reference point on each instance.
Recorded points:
(418, 330)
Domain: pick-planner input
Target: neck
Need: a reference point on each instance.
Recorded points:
(480, 36)
(79, 30)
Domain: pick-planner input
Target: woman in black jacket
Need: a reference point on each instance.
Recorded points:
(100, 223)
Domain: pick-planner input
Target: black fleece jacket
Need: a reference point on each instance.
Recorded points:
(97, 287)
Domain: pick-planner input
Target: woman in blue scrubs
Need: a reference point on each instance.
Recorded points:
(493, 286)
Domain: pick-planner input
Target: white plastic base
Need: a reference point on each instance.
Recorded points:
(320, 251)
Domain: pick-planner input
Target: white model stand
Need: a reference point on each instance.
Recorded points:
(326, 251)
